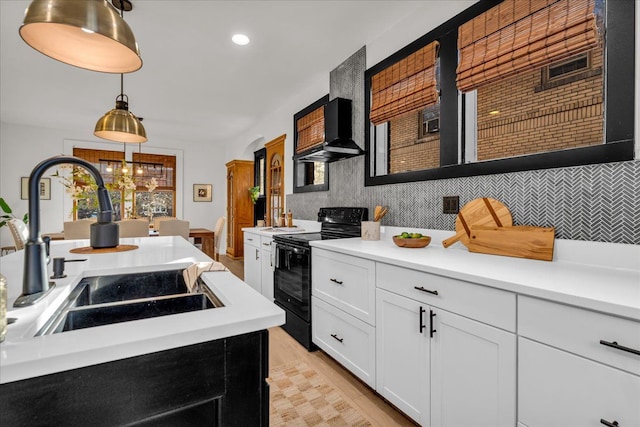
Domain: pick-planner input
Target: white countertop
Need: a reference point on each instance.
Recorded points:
(594, 275)
(24, 356)
(301, 226)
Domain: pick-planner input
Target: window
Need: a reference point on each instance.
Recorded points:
(162, 200)
(139, 202)
(107, 163)
(309, 125)
(527, 106)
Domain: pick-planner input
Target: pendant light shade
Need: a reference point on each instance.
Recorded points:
(88, 34)
(120, 124)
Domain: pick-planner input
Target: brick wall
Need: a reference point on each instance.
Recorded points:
(407, 152)
(530, 121)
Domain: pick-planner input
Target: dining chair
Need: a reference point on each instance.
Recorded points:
(217, 232)
(19, 232)
(133, 228)
(174, 227)
(79, 229)
(158, 219)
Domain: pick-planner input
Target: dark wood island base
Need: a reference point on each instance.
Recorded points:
(216, 383)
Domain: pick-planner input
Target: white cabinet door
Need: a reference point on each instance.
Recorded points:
(556, 388)
(473, 373)
(266, 272)
(402, 353)
(252, 267)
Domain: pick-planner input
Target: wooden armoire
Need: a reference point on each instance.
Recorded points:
(239, 206)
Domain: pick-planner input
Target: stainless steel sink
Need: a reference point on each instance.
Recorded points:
(104, 300)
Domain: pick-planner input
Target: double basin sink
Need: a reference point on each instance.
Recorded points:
(104, 300)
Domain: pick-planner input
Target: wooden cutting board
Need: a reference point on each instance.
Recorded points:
(482, 212)
(520, 241)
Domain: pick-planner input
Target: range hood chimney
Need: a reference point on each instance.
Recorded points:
(337, 143)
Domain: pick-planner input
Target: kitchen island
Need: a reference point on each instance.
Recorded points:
(208, 363)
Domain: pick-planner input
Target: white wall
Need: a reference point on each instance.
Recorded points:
(22, 147)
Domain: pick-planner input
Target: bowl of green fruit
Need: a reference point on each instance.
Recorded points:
(411, 240)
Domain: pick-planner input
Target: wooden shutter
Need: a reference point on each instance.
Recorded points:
(310, 130)
(408, 85)
(519, 35)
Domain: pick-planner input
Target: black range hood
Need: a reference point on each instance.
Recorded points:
(337, 143)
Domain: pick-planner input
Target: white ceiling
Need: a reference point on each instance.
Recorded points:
(195, 84)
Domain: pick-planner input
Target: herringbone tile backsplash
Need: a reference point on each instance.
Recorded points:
(594, 202)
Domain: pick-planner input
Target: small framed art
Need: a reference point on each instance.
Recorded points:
(202, 192)
(45, 188)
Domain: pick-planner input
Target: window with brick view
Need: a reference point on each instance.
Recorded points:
(514, 116)
(522, 85)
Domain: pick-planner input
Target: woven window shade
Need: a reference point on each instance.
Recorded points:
(408, 85)
(310, 130)
(519, 35)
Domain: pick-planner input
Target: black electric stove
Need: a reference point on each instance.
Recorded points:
(292, 276)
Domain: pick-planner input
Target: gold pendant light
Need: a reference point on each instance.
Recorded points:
(85, 33)
(120, 124)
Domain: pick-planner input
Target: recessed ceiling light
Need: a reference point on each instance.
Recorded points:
(240, 39)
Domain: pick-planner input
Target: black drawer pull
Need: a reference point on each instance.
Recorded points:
(336, 281)
(617, 346)
(335, 337)
(420, 288)
(422, 326)
(607, 423)
(431, 330)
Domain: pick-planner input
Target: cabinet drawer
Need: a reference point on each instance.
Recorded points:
(265, 243)
(580, 331)
(346, 282)
(348, 340)
(251, 239)
(556, 388)
(488, 305)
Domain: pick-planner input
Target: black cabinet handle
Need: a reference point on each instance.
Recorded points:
(422, 289)
(422, 326)
(336, 281)
(607, 423)
(335, 337)
(431, 330)
(617, 346)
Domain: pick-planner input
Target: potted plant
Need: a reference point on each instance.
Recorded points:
(7, 214)
(254, 193)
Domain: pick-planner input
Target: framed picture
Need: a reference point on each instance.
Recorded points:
(202, 192)
(45, 188)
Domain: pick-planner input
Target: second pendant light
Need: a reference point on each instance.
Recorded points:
(120, 124)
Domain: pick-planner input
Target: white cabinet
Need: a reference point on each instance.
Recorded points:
(402, 354)
(473, 373)
(348, 340)
(258, 264)
(343, 310)
(442, 369)
(266, 270)
(252, 263)
(576, 366)
(557, 388)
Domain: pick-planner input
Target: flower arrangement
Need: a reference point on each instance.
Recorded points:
(81, 186)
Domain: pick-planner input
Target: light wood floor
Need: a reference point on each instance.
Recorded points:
(284, 349)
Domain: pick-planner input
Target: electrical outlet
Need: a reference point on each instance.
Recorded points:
(450, 204)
